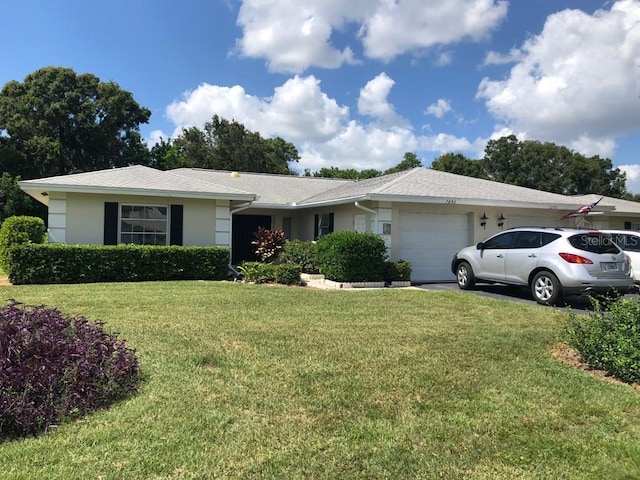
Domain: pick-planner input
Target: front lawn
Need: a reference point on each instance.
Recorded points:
(250, 381)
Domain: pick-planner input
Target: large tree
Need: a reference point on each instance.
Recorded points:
(550, 167)
(225, 145)
(542, 166)
(57, 122)
(458, 164)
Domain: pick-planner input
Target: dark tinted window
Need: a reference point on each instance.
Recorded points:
(627, 242)
(594, 243)
(547, 237)
(528, 240)
(504, 240)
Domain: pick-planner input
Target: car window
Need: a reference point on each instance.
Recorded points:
(548, 237)
(594, 243)
(504, 240)
(528, 240)
(627, 241)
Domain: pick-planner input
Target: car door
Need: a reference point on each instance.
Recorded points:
(492, 257)
(522, 257)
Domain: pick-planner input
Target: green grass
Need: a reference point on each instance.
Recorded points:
(248, 381)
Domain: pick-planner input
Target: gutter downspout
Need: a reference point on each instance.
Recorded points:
(372, 212)
(240, 208)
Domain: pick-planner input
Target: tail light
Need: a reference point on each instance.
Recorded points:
(573, 258)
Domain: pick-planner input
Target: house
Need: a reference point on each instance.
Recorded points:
(424, 215)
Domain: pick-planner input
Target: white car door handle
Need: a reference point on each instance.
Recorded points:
(500, 255)
(532, 255)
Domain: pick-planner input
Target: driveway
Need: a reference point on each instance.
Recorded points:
(504, 292)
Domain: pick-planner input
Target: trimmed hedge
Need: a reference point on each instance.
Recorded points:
(608, 338)
(352, 257)
(19, 230)
(399, 271)
(61, 263)
(303, 253)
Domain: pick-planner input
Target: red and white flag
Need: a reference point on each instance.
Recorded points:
(583, 210)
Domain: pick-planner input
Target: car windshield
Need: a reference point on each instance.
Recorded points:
(594, 242)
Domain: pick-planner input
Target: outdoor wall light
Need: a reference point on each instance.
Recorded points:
(483, 220)
(501, 220)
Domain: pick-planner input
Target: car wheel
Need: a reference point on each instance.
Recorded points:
(465, 277)
(546, 288)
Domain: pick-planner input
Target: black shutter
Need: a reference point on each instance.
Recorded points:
(627, 225)
(110, 235)
(330, 223)
(316, 219)
(175, 232)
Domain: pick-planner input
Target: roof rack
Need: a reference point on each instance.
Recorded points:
(551, 228)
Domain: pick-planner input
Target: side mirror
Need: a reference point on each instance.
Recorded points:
(480, 246)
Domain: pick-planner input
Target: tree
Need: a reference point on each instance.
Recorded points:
(542, 166)
(57, 122)
(225, 145)
(551, 168)
(410, 161)
(458, 164)
(14, 202)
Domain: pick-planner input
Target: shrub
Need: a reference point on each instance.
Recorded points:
(60, 263)
(258, 272)
(53, 367)
(609, 338)
(301, 253)
(399, 271)
(20, 230)
(287, 274)
(352, 257)
(269, 244)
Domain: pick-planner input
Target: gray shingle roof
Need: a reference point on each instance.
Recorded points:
(428, 183)
(138, 178)
(272, 190)
(286, 191)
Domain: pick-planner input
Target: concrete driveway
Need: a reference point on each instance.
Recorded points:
(516, 294)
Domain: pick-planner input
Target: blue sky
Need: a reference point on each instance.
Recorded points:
(357, 84)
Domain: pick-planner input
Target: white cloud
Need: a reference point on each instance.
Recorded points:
(576, 83)
(373, 101)
(439, 109)
(322, 130)
(497, 58)
(292, 37)
(633, 177)
(395, 28)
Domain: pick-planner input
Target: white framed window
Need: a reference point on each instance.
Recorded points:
(144, 224)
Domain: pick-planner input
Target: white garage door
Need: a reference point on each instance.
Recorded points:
(429, 241)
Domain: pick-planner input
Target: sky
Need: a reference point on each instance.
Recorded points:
(357, 83)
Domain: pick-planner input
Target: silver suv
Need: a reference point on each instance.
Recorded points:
(551, 262)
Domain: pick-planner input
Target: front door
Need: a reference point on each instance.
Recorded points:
(242, 232)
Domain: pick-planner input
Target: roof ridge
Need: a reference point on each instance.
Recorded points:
(398, 177)
(202, 182)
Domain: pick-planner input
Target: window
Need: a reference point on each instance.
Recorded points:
(143, 224)
(500, 241)
(286, 227)
(323, 225)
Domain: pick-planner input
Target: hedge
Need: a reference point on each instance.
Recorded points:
(352, 257)
(61, 263)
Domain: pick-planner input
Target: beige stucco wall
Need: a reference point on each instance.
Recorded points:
(85, 218)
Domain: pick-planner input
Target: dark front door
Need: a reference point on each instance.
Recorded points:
(242, 235)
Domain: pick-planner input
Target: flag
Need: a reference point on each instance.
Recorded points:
(583, 210)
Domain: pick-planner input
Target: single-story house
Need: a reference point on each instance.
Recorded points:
(424, 215)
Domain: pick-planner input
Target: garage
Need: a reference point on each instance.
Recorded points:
(429, 241)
